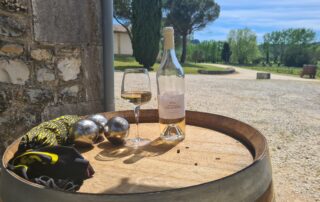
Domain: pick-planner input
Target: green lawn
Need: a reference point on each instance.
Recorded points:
(123, 62)
(280, 70)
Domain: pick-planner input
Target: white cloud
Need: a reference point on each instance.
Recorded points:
(271, 13)
(284, 24)
(263, 16)
(240, 3)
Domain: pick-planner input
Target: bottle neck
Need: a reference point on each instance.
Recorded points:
(170, 54)
(171, 63)
(168, 41)
(168, 44)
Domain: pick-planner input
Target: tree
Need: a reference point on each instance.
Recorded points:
(299, 36)
(297, 56)
(315, 49)
(123, 14)
(210, 51)
(187, 16)
(195, 41)
(197, 56)
(226, 52)
(276, 40)
(266, 47)
(281, 43)
(146, 25)
(298, 47)
(243, 43)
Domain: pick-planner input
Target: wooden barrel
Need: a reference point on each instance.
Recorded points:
(221, 159)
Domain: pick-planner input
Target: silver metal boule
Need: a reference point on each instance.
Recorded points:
(84, 132)
(117, 130)
(100, 120)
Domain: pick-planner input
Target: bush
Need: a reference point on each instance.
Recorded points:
(297, 56)
(258, 60)
(197, 56)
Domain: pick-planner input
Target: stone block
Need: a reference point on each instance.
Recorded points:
(45, 75)
(71, 21)
(41, 55)
(68, 52)
(42, 65)
(14, 72)
(16, 121)
(81, 108)
(3, 120)
(69, 68)
(30, 118)
(263, 75)
(14, 5)
(11, 27)
(11, 50)
(38, 96)
(70, 91)
(4, 102)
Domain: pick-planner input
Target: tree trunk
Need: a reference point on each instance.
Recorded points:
(184, 49)
(147, 67)
(124, 26)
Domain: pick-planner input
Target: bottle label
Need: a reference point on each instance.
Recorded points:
(171, 106)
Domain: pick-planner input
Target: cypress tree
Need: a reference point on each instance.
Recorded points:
(146, 25)
(226, 52)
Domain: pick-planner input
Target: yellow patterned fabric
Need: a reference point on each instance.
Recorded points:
(50, 133)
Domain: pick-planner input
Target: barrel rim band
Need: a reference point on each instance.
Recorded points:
(261, 163)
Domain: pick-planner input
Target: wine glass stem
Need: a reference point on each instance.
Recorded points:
(136, 115)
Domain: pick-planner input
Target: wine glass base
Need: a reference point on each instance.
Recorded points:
(137, 142)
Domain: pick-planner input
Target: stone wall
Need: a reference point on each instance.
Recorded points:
(50, 62)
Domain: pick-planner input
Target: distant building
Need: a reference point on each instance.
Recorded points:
(121, 41)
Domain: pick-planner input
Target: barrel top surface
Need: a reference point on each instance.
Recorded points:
(215, 147)
(205, 155)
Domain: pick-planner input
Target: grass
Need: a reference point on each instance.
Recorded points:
(123, 62)
(280, 70)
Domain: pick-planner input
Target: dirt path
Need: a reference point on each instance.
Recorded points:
(242, 73)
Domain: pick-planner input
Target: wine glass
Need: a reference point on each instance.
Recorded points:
(136, 89)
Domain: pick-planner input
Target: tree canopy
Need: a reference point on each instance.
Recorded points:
(188, 16)
(205, 51)
(243, 43)
(290, 47)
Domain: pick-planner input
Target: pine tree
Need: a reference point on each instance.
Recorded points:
(188, 16)
(146, 25)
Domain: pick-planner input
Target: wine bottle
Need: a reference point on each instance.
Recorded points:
(171, 90)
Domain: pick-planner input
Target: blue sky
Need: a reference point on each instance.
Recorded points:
(262, 16)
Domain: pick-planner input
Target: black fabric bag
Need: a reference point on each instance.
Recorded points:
(57, 163)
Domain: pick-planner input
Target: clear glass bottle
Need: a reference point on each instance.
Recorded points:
(171, 90)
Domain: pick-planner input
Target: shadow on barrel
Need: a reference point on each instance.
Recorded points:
(156, 148)
(125, 186)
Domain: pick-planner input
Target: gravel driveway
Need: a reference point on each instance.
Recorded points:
(242, 73)
(287, 112)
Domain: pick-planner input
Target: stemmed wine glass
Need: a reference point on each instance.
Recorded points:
(136, 89)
